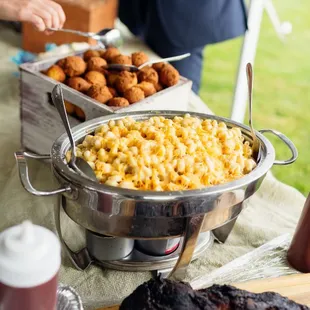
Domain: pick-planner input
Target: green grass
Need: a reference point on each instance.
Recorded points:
(281, 86)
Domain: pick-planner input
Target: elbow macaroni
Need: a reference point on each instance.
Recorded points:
(166, 154)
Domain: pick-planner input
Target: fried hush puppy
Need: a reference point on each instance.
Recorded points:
(121, 60)
(70, 108)
(74, 66)
(148, 74)
(91, 53)
(113, 91)
(159, 87)
(56, 73)
(125, 80)
(78, 84)
(110, 53)
(111, 78)
(139, 58)
(158, 66)
(79, 113)
(148, 88)
(61, 62)
(96, 64)
(134, 94)
(168, 75)
(118, 102)
(95, 77)
(100, 93)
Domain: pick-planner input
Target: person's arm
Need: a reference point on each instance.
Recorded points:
(41, 13)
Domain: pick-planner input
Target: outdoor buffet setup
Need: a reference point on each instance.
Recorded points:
(166, 182)
(113, 216)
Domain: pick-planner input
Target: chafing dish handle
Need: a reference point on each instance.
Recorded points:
(24, 176)
(288, 142)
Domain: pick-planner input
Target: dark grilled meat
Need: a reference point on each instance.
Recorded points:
(164, 294)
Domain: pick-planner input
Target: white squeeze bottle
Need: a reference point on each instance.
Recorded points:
(30, 258)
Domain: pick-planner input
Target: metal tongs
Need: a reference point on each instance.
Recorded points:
(105, 37)
(131, 68)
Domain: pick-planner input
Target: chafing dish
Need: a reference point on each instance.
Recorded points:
(136, 214)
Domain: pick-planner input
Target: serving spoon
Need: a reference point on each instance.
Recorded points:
(78, 164)
(132, 68)
(255, 143)
(107, 36)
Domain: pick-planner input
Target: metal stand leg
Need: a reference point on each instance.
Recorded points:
(221, 234)
(248, 51)
(193, 227)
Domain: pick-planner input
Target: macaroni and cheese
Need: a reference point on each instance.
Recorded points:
(164, 154)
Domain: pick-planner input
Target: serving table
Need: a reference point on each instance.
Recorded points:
(272, 211)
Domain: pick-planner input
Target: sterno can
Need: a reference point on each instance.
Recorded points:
(158, 247)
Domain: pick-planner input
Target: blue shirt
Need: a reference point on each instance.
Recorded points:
(184, 24)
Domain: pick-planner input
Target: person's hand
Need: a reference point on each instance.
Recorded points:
(41, 13)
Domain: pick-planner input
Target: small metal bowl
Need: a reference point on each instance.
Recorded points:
(68, 298)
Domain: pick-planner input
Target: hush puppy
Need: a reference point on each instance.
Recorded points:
(148, 88)
(78, 84)
(121, 60)
(159, 87)
(148, 74)
(96, 64)
(91, 53)
(74, 66)
(95, 77)
(113, 91)
(61, 62)
(134, 94)
(139, 58)
(56, 73)
(118, 102)
(80, 113)
(70, 108)
(125, 80)
(100, 93)
(111, 78)
(110, 53)
(158, 66)
(169, 76)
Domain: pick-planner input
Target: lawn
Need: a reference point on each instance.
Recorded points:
(281, 86)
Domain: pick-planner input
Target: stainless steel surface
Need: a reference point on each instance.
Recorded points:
(158, 247)
(108, 248)
(24, 176)
(221, 234)
(255, 142)
(107, 36)
(136, 214)
(76, 163)
(68, 298)
(147, 214)
(136, 260)
(192, 230)
(288, 142)
(81, 260)
(80, 33)
(118, 67)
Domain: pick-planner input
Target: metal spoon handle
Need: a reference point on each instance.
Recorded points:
(249, 74)
(174, 58)
(58, 100)
(80, 33)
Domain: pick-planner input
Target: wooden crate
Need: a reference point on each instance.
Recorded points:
(83, 15)
(41, 123)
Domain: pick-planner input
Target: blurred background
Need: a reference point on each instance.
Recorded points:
(281, 85)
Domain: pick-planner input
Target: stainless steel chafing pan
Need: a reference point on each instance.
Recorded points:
(148, 214)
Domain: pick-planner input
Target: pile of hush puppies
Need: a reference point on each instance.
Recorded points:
(116, 89)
